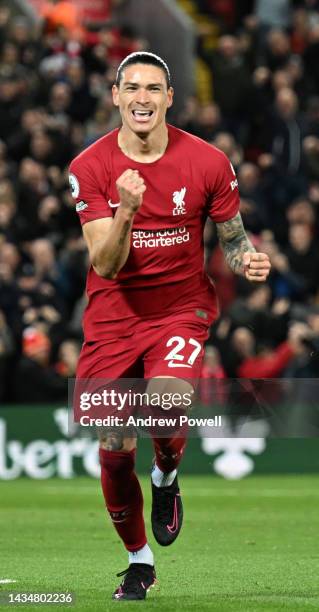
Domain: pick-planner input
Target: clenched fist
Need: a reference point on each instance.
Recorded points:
(256, 266)
(130, 186)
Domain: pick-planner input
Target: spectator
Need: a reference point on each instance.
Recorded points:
(231, 84)
(278, 49)
(303, 257)
(253, 206)
(35, 381)
(68, 355)
(12, 103)
(212, 389)
(82, 102)
(227, 143)
(267, 364)
(287, 132)
(209, 122)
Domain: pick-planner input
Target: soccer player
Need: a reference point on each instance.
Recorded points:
(143, 193)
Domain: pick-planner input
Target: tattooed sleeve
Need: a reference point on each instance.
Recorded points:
(234, 242)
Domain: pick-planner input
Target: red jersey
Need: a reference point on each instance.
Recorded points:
(164, 272)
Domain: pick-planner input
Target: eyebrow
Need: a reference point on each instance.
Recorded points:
(138, 84)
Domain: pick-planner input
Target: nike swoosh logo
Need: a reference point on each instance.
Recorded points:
(173, 364)
(174, 526)
(113, 205)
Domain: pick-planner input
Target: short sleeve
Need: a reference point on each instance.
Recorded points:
(87, 191)
(223, 194)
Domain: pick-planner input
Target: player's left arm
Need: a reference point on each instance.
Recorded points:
(239, 253)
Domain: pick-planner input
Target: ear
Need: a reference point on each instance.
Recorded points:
(115, 94)
(170, 96)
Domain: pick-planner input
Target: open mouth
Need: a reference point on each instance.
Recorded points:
(142, 116)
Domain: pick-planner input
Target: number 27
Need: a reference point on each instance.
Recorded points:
(174, 355)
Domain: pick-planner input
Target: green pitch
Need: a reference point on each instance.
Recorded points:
(245, 546)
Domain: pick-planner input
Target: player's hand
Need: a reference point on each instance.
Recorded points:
(256, 266)
(130, 186)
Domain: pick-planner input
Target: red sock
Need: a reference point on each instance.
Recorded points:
(123, 496)
(168, 452)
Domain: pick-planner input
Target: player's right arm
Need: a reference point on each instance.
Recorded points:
(109, 239)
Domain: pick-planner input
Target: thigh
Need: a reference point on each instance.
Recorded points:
(101, 367)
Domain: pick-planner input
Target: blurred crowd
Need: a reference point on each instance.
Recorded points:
(55, 99)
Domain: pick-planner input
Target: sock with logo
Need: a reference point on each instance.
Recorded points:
(168, 453)
(144, 555)
(162, 479)
(123, 497)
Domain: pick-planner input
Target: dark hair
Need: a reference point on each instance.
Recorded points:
(143, 57)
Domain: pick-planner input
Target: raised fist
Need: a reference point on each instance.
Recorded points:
(256, 266)
(130, 186)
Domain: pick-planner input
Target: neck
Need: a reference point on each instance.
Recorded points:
(143, 147)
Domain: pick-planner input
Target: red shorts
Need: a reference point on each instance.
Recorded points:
(172, 347)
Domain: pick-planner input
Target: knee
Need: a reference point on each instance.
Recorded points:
(116, 441)
(175, 395)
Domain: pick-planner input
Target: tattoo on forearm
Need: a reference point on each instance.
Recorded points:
(234, 242)
(118, 256)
